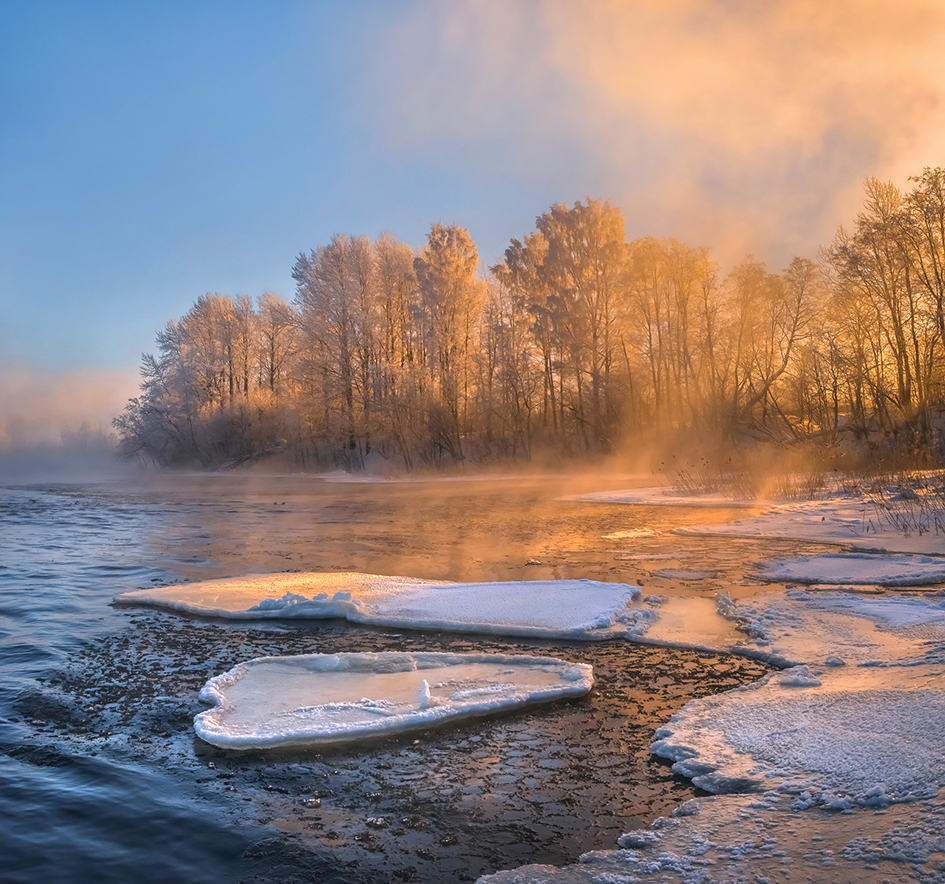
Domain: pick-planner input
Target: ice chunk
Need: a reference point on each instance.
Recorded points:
(798, 677)
(867, 734)
(316, 699)
(548, 608)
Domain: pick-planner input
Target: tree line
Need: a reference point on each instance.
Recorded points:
(579, 342)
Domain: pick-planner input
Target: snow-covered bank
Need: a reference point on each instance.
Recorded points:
(854, 522)
(546, 608)
(315, 699)
(761, 839)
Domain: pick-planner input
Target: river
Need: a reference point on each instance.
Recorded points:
(102, 778)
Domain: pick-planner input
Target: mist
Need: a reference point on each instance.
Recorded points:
(741, 127)
(57, 425)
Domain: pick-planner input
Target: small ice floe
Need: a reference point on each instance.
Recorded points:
(630, 534)
(545, 608)
(318, 699)
(858, 569)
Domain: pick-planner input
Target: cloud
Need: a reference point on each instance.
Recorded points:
(40, 408)
(730, 123)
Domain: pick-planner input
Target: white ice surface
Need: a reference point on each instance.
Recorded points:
(844, 733)
(547, 608)
(316, 699)
(858, 569)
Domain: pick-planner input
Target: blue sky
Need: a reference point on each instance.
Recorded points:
(151, 152)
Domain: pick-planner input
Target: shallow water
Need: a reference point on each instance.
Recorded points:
(101, 777)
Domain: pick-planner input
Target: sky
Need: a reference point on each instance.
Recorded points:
(152, 152)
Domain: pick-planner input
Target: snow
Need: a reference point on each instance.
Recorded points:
(579, 609)
(318, 699)
(762, 839)
(858, 569)
(852, 733)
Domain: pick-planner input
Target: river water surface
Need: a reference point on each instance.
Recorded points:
(102, 778)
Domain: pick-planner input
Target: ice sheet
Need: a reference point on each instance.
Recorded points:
(316, 699)
(858, 569)
(548, 608)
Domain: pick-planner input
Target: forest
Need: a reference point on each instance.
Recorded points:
(578, 344)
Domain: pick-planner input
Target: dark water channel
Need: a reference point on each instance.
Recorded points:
(101, 777)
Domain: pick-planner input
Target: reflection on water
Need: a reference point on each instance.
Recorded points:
(101, 769)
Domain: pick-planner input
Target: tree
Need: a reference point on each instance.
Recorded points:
(450, 302)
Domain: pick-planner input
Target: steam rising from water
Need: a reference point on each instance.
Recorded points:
(742, 126)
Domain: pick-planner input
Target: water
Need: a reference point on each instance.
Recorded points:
(101, 777)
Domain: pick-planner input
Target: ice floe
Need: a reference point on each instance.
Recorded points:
(546, 608)
(317, 699)
(864, 736)
(858, 569)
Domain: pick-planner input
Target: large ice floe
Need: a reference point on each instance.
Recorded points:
(316, 699)
(538, 608)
